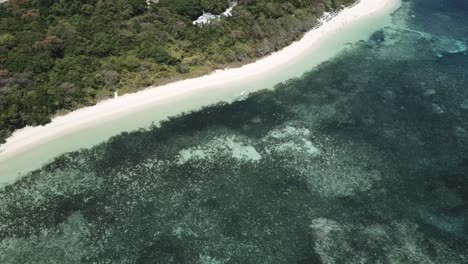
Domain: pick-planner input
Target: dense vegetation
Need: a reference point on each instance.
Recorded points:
(59, 55)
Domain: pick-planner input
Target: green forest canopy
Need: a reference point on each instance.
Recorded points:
(59, 55)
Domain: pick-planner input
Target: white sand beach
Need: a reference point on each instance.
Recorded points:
(14, 153)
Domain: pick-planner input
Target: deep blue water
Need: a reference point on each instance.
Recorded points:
(362, 160)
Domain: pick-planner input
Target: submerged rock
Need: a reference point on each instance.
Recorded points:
(447, 45)
(378, 36)
(256, 120)
(389, 95)
(464, 104)
(429, 92)
(437, 109)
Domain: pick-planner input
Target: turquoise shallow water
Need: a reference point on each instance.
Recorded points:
(363, 160)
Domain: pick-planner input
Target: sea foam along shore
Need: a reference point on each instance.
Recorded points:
(28, 138)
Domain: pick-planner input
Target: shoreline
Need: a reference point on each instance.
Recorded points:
(24, 140)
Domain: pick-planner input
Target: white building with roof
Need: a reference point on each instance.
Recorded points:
(206, 18)
(149, 2)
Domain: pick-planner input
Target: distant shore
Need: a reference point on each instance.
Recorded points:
(28, 138)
